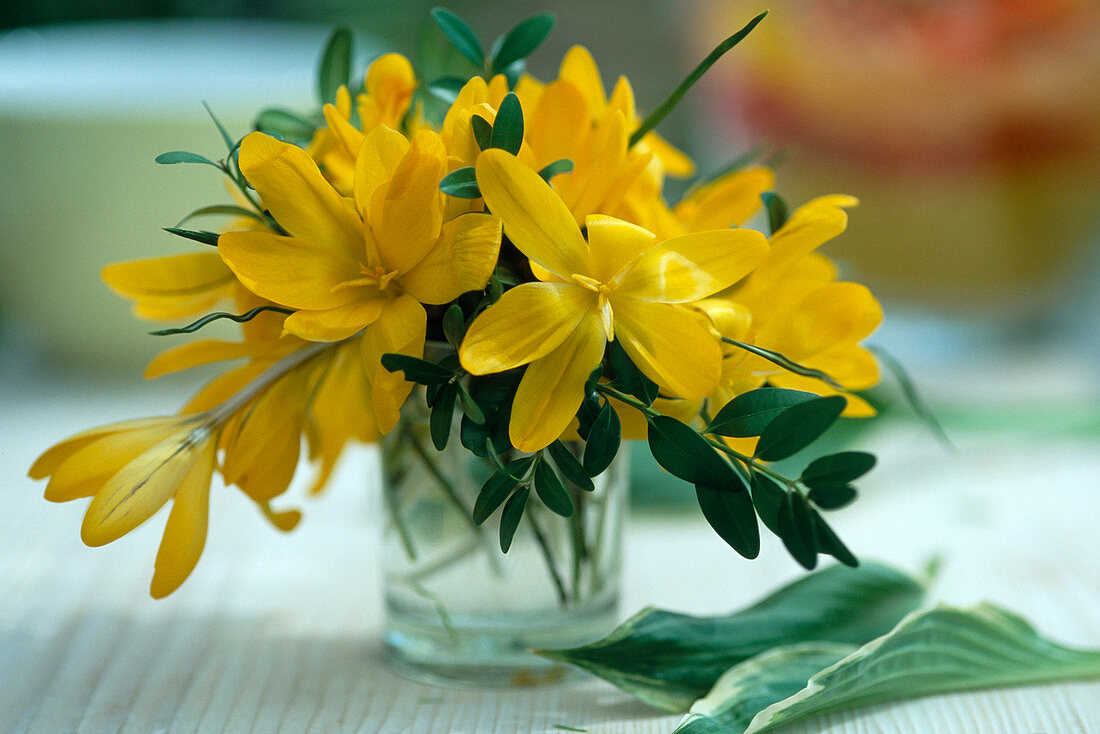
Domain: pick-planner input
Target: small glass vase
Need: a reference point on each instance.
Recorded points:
(458, 610)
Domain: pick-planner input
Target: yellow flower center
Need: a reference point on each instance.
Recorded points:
(375, 276)
(607, 316)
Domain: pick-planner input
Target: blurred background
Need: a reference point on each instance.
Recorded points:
(969, 129)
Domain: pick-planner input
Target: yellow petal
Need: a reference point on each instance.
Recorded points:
(585, 191)
(346, 134)
(579, 68)
(810, 226)
(613, 244)
(729, 318)
(390, 83)
(729, 200)
(694, 266)
(559, 120)
(400, 329)
(51, 459)
(552, 388)
(337, 323)
(379, 154)
(528, 322)
(675, 162)
(196, 353)
(298, 196)
(461, 261)
(535, 219)
(289, 271)
(671, 345)
(225, 386)
(143, 485)
(407, 222)
(171, 287)
(185, 533)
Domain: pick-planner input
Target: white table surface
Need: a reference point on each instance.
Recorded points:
(281, 632)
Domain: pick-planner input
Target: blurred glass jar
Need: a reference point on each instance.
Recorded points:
(970, 129)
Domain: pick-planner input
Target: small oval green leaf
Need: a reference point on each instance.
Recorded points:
(459, 33)
(334, 70)
(570, 466)
(416, 370)
(796, 530)
(182, 156)
(603, 441)
(798, 426)
(519, 42)
(443, 413)
(767, 498)
(749, 413)
(483, 132)
(285, 124)
(494, 492)
(461, 183)
(508, 126)
(828, 542)
(731, 515)
(511, 516)
(840, 468)
(832, 497)
(562, 165)
(551, 491)
(777, 210)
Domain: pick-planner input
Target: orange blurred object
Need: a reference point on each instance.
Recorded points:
(970, 130)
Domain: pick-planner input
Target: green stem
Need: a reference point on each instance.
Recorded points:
(445, 484)
(551, 565)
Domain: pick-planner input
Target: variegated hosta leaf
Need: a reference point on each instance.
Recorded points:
(669, 660)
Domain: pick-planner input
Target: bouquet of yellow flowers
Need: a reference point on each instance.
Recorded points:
(504, 243)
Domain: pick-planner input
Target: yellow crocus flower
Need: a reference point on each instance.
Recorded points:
(622, 283)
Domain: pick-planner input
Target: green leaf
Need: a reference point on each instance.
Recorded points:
(511, 516)
(285, 124)
(229, 144)
(788, 364)
(206, 238)
(334, 70)
(798, 426)
(508, 127)
(628, 377)
(687, 455)
(447, 87)
(749, 413)
(551, 491)
(182, 156)
(767, 498)
(669, 660)
(226, 210)
(562, 165)
(570, 466)
(749, 687)
(828, 542)
(832, 496)
(459, 33)
(841, 468)
(796, 530)
(942, 650)
(196, 325)
(909, 390)
(461, 183)
(603, 441)
(443, 413)
(777, 210)
(654, 118)
(483, 132)
(496, 489)
(731, 515)
(416, 370)
(469, 405)
(454, 325)
(519, 42)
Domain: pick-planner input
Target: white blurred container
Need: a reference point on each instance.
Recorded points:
(84, 110)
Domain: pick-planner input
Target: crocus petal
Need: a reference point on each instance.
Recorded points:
(337, 323)
(552, 388)
(380, 152)
(586, 190)
(289, 271)
(808, 227)
(694, 266)
(171, 287)
(185, 533)
(560, 118)
(400, 329)
(193, 354)
(346, 134)
(528, 322)
(298, 196)
(671, 345)
(613, 244)
(728, 200)
(53, 457)
(580, 68)
(535, 219)
(142, 486)
(390, 83)
(406, 220)
(675, 162)
(461, 261)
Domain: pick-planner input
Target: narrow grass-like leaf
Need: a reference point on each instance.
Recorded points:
(840, 468)
(777, 210)
(334, 70)
(195, 235)
(749, 413)
(524, 38)
(570, 466)
(211, 317)
(224, 209)
(562, 165)
(748, 688)
(909, 390)
(511, 516)
(942, 650)
(461, 183)
(798, 426)
(669, 660)
(443, 413)
(508, 126)
(285, 124)
(551, 491)
(731, 515)
(182, 156)
(416, 370)
(654, 118)
(229, 144)
(788, 364)
(603, 441)
(459, 33)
